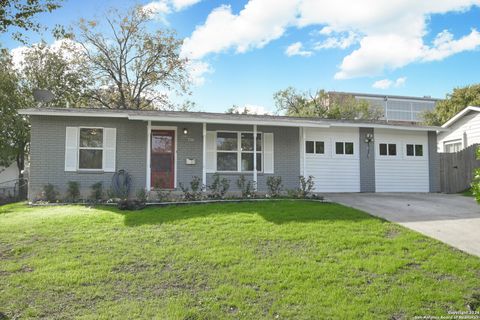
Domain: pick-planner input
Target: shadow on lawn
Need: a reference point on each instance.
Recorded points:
(277, 212)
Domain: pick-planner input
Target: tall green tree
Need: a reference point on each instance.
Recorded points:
(21, 14)
(322, 104)
(14, 127)
(132, 67)
(456, 101)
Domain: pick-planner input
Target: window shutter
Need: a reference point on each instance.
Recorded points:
(268, 153)
(109, 149)
(71, 148)
(211, 161)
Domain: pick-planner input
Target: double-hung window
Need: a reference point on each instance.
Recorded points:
(90, 149)
(235, 151)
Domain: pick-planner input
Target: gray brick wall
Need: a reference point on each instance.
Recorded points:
(47, 153)
(367, 162)
(286, 156)
(433, 162)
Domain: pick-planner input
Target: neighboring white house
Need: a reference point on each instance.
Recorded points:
(464, 130)
(8, 176)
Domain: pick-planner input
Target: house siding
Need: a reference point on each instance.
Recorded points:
(466, 130)
(433, 162)
(367, 161)
(286, 156)
(47, 153)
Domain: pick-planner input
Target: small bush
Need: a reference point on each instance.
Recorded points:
(163, 196)
(246, 187)
(219, 187)
(306, 187)
(97, 191)
(196, 191)
(73, 191)
(274, 185)
(142, 195)
(125, 204)
(49, 193)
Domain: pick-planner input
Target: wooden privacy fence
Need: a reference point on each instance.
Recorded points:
(456, 169)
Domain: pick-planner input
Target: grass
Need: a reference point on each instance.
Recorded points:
(280, 260)
(467, 193)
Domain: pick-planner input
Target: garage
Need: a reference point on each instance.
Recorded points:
(401, 161)
(331, 156)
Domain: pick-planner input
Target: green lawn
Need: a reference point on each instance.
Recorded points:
(272, 260)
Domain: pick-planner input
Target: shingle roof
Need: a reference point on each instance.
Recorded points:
(187, 116)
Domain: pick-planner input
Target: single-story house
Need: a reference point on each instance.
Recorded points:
(463, 131)
(161, 149)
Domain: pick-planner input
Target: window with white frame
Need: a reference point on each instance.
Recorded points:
(316, 147)
(235, 151)
(90, 149)
(452, 146)
(414, 150)
(387, 149)
(345, 148)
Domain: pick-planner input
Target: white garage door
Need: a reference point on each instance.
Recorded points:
(401, 161)
(331, 156)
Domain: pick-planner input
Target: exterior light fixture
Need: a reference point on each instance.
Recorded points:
(368, 140)
(185, 131)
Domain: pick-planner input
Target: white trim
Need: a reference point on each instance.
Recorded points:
(304, 138)
(459, 115)
(149, 169)
(204, 155)
(79, 147)
(175, 165)
(199, 119)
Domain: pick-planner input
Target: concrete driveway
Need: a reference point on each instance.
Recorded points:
(450, 218)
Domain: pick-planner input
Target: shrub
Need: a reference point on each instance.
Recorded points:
(246, 187)
(274, 185)
(306, 187)
(476, 180)
(142, 195)
(97, 191)
(126, 204)
(163, 196)
(73, 191)
(196, 191)
(219, 187)
(49, 193)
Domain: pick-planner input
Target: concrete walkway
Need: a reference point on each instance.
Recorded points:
(450, 218)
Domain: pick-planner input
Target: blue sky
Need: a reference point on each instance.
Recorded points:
(244, 51)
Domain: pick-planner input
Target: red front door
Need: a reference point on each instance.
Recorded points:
(163, 159)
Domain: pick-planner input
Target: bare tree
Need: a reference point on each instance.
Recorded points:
(133, 68)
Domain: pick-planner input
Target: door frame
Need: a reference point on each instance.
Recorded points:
(151, 128)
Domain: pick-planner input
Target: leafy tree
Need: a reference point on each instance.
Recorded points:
(323, 105)
(132, 67)
(14, 127)
(455, 102)
(59, 70)
(21, 14)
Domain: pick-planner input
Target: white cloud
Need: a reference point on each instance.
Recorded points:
(159, 9)
(387, 83)
(197, 70)
(382, 84)
(340, 42)
(295, 49)
(260, 22)
(390, 34)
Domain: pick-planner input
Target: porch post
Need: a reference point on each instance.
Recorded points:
(149, 143)
(204, 156)
(255, 156)
(304, 136)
